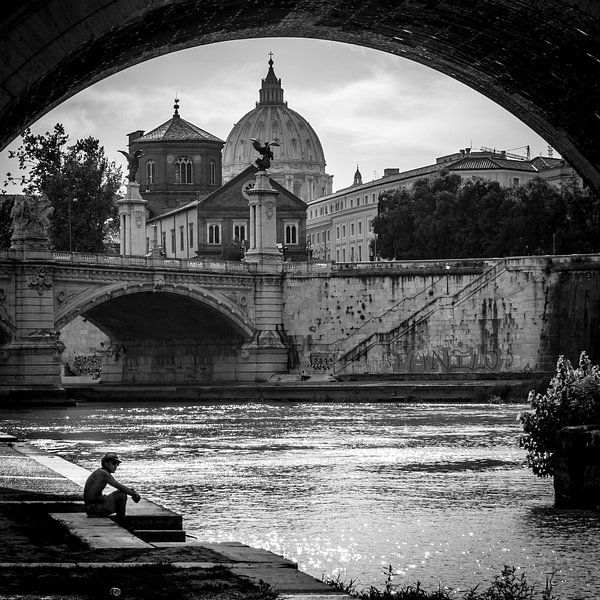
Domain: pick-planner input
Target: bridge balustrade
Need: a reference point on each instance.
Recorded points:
(198, 264)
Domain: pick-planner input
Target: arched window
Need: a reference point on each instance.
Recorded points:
(212, 174)
(150, 172)
(183, 170)
(214, 233)
(291, 233)
(239, 231)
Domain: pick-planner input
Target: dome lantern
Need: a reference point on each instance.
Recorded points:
(271, 91)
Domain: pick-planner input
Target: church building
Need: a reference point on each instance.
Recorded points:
(217, 226)
(180, 163)
(299, 160)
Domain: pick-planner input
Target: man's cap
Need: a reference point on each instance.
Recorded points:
(111, 457)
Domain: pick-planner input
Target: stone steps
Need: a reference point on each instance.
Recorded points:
(99, 532)
(160, 535)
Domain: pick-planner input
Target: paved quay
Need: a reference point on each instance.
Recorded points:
(314, 390)
(45, 484)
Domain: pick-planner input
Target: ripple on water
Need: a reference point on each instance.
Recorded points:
(438, 491)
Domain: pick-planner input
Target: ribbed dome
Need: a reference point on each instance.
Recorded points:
(298, 162)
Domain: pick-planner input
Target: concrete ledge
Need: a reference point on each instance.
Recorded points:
(99, 532)
(160, 535)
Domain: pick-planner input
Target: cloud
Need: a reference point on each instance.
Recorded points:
(366, 106)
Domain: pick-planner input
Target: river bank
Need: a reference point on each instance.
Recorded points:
(291, 389)
(43, 554)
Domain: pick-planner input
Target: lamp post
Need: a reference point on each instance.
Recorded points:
(71, 200)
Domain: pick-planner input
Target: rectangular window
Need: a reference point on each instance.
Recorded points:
(173, 248)
(359, 253)
(328, 236)
(191, 234)
(352, 229)
(343, 231)
(515, 182)
(337, 233)
(181, 245)
(212, 172)
(359, 227)
(163, 240)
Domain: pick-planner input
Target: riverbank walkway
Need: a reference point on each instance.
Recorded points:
(35, 484)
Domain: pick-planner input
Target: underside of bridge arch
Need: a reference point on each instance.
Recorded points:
(164, 338)
(539, 59)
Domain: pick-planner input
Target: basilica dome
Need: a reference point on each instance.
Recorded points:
(298, 162)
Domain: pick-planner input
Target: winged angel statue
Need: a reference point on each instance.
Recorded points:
(133, 162)
(266, 154)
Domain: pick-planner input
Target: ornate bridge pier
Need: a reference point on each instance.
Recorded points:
(30, 361)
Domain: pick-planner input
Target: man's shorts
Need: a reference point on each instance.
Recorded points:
(102, 509)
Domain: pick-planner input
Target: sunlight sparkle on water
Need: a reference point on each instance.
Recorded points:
(438, 491)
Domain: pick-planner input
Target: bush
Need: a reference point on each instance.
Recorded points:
(506, 586)
(572, 398)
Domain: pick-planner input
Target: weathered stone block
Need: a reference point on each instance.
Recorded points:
(577, 467)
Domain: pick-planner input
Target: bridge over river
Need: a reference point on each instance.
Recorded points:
(201, 321)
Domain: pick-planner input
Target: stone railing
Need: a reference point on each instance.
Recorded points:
(116, 260)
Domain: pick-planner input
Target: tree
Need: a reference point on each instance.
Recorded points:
(447, 217)
(572, 398)
(6, 205)
(80, 182)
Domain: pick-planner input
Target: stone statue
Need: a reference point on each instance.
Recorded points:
(266, 155)
(133, 162)
(31, 217)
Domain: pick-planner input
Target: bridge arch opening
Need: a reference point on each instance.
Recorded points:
(154, 337)
(538, 62)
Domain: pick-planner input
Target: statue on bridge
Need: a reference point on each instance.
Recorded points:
(133, 162)
(266, 154)
(31, 221)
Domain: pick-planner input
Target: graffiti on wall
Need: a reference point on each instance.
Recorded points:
(321, 361)
(90, 364)
(444, 360)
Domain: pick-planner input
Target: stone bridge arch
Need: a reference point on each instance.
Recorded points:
(539, 60)
(215, 302)
(177, 333)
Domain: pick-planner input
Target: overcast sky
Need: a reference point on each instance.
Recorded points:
(367, 107)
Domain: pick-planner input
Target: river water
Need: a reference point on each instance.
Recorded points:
(438, 491)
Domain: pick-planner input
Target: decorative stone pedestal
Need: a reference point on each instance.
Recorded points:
(263, 223)
(267, 352)
(132, 221)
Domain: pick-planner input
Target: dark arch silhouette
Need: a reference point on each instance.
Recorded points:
(540, 60)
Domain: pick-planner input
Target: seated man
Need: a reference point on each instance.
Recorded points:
(99, 505)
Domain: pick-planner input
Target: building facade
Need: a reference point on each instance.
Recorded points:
(180, 163)
(218, 225)
(340, 225)
(299, 160)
